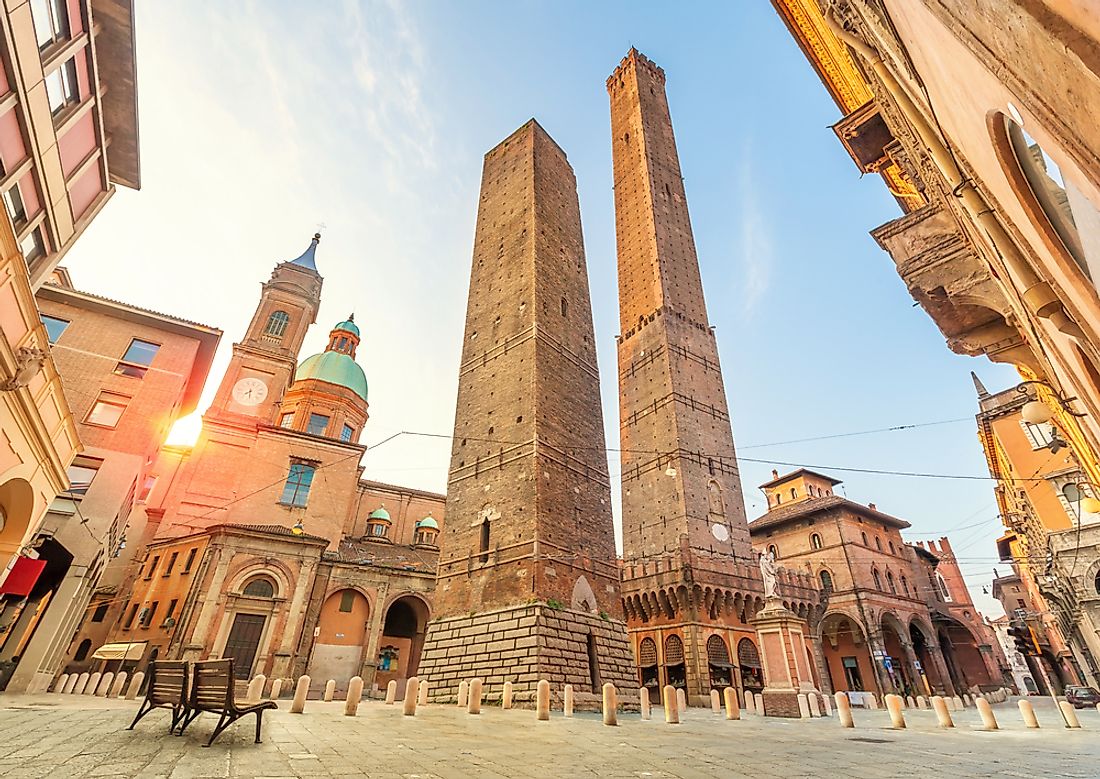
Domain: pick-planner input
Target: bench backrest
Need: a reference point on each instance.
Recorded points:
(213, 684)
(167, 683)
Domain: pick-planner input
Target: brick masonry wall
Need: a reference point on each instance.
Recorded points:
(524, 644)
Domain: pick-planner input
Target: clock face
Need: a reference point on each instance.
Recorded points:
(721, 532)
(249, 391)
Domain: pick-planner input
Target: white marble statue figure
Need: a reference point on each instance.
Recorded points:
(768, 571)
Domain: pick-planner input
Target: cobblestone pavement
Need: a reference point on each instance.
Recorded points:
(77, 736)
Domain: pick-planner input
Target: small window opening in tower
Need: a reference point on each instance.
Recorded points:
(594, 665)
(484, 541)
(564, 307)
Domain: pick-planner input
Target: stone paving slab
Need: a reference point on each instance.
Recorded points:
(77, 736)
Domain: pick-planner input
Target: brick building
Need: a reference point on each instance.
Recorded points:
(129, 374)
(263, 542)
(897, 616)
(691, 586)
(528, 578)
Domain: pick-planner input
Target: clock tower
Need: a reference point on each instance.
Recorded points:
(264, 361)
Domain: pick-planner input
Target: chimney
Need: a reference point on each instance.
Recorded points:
(775, 473)
(871, 506)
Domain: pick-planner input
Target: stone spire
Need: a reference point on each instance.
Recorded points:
(982, 391)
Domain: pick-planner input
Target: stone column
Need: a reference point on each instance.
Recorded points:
(936, 654)
(877, 649)
(370, 657)
(818, 653)
(200, 635)
(913, 662)
(295, 616)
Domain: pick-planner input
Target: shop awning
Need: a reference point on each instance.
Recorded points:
(120, 651)
(22, 577)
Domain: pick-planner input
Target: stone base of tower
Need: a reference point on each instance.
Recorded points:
(524, 644)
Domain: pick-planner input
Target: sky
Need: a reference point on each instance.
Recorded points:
(261, 123)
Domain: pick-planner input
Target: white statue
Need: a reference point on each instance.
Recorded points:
(768, 571)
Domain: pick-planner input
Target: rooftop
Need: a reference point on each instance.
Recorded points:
(786, 513)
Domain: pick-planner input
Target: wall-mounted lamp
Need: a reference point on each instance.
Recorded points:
(1036, 411)
(298, 528)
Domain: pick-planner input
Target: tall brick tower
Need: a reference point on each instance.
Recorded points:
(691, 584)
(528, 584)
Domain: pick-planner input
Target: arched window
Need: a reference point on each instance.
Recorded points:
(774, 550)
(778, 498)
(1096, 583)
(815, 541)
(647, 653)
(890, 582)
(794, 493)
(260, 587)
(863, 536)
(878, 543)
(276, 324)
(484, 542)
(717, 651)
(877, 578)
(905, 585)
(826, 581)
(674, 650)
(944, 591)
(83, 649)
(892, 549)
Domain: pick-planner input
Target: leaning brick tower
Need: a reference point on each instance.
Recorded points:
(528, 583)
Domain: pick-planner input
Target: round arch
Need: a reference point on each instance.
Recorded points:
(404, 623)
(847, 654)
(17, 502)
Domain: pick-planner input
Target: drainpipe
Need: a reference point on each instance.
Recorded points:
(1037, 295)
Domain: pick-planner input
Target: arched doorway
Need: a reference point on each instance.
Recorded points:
(17, 508)
(650, 674)
(342, 632)
(718, 660)
(899, 674)
(243, 641)
(402, 639)
(930, 681)
(675, 670)
(748, 661)
(965, 664)
(847, 656)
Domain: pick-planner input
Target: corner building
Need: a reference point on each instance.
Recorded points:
(691, 584)
(528, 584)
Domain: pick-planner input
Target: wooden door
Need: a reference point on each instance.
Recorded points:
(243, 641)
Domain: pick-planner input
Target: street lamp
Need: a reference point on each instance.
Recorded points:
(1036, 411)
(298, 528)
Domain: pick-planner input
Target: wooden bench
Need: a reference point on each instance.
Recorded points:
(212, 691)
(166, 689)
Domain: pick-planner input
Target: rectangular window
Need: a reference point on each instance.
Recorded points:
(51, 22)
(130, 617)
(99, 613)
(189, 561)
(147, 488)
(149, 613)
(347, 600)
(32, 245)
(152, 567)
(81, 473)
(54, 327)
(61, 87)
(318, 424)
(107, 410)
(13, 202)
(171, 563)
(287, 419)
(347, 433)
(298, 481)
(171, 609)
(137, 359)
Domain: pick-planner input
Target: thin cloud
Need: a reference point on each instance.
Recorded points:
(756, 244)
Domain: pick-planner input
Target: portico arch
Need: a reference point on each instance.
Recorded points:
(846, 651)
(402, 640)
(343, 630)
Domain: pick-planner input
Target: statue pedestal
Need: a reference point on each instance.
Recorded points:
(785, 655)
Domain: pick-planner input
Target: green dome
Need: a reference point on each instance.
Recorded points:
(380, 513)
(428, 522)
(335, 368)
(349, 325)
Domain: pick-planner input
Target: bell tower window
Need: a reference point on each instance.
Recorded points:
(277, 324)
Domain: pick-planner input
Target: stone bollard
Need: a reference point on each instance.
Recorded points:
(567, 701)
(391, 692)
(473, 705)
(93, 683)
(506, 698)
(815, 704)
(422, 694)
(672, 707)
(301, 690)
(844, 710)
(715, 701)
(1027, 713)
(759, 703)
(749, 708)
(989, 722)
(942, 714)
(1070, 715)
(643, 703)
(681, 700)
(81, 683)
(256, 688)
(828, 701)
(733, 711)
(949, 703)
(105, 683)
(276, 689)
(330, 689)
(897, 718)
(909, 702)
(135, 685)
(1098, 708)
(967, 701)
(61, 682)
(803, 706)
(463, 693)
(610, 704)
(922, 702)
(872, 701)
(409, 709)
(119, 685)
(958, 703)
(355, 694)
(71, 684)
(542, 700)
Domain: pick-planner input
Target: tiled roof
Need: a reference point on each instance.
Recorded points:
(364, 552)
(275, 530)
(122, 304)
(802, 508)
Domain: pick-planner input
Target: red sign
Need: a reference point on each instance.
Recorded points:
(22, 577)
